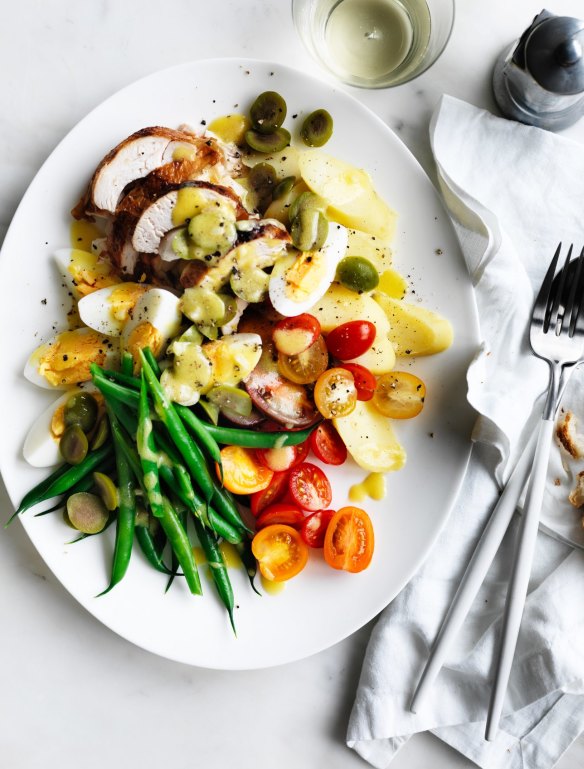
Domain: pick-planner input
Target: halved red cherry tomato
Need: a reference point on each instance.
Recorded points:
(309, 487)
(365, 381)
(349, 340)
(283, 458)
(260, 500)
(399, 395)
(307, 366)
(289, 515)
(294, 335)
(314, 526)
(349, 541)
(242, 473)
(327, 445)
(335, 393)
(280, 552)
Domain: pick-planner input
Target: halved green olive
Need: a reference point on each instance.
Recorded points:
(306, 199)
(230, 303)
(107, 490)
(73, 445)
(268, 112)
(212, 233)
(309, 230)
(262, 180)
(87, 512)
(317, 128)
(81, 409)
(266, 143)
(231, 398)
(357, 273)
(210, 409)
(100, 435)
(283, 187)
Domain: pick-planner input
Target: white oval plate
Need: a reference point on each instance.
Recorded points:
(321, 606)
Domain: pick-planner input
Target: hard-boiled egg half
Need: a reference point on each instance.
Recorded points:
(300, 280)
(141, 315)
(41, 445)
(65, 359)
(83, 271)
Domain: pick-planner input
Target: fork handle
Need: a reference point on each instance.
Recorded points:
(519, 582)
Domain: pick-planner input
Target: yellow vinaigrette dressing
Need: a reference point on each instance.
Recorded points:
(82, 234)
(270, 586)
(372, 486)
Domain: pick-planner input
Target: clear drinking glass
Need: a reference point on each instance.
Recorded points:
(374, 43)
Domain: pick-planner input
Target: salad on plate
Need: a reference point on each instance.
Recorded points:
(236, 327)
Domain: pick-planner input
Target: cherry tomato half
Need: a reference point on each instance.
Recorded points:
(289, 515)
(260, 500)
(309, 487)
(242, 473)
(327, 445)
(335, 393)
(307, 366)
(294, 335)
(365, 382)
(280, 552)
(399, 395)
(283, 458)
(314, 526)
(348, 542)
(352, 339)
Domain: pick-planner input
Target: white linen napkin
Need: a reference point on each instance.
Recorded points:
(514, 192)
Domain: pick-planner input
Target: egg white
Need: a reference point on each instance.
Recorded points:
(100, 311)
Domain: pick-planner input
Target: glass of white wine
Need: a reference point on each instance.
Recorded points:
(374, 43)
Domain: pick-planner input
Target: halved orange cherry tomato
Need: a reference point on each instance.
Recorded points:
(314, 526)
(327, 445)
(280, 552)
(365, 382)
(287, 514)
(399, 395)
(348, 542)
(307, 366)
(309, 487)
(242, 473)
(283, 458)
(335, 393)
(294, 335)
(352, 339)
(262, 499)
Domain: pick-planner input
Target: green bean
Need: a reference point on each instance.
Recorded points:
(59, 483)
(152, 362)
(127, 364)
(249, 562)
(151, 551)
(199, 430)
(223, 501)
(159, 504)
(225, 530)
(182, 516)
(233, 436)
(180, 476)
(126, 518)
(218, 569)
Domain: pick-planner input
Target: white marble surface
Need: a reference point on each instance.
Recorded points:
(71, 692)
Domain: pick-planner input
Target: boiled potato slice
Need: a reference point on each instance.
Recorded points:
(370, 439)
(341, 305)
(285, 163)
(351, 198)
(393, 284)
(370, 247)
(414, 329)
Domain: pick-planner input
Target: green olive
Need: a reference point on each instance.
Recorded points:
(268, 112)
(87, 512)
(230, 303)
(100, 435)
(262, 180)
(306, 199)
(211, 233)
(73, 445)
(107, 490)
(231, 398)
(180, 243)
(266, 143)
(210, 409)
(357, 273)
(317, 128)
(309, 230)
(81, 409)
(283, 187)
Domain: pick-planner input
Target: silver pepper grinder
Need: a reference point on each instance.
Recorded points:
(540, 79)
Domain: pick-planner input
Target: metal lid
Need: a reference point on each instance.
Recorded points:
(554, 54)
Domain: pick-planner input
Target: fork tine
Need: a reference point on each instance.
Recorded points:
(558, 297)
(577, 319)
(576, 294)
(542, 309)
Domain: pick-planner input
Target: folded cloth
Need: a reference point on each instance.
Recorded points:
(513, 192)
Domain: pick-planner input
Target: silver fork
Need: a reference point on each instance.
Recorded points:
(557, 336)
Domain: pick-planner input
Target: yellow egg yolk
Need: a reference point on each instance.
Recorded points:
(67, 360)
(58, 422)
(88, 273)
(304, 275)
(143, 335)
(123, 299)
